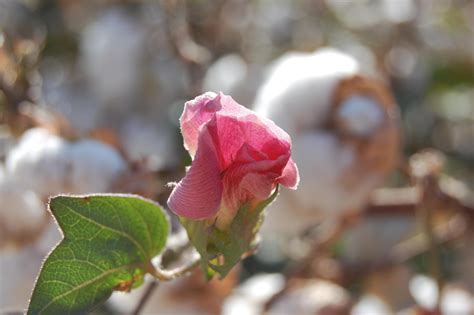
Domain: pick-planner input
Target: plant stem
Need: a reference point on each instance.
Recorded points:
(167, 275)
(163, 275)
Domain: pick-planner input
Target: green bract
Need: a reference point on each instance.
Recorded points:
(221, 250)
(109, 241)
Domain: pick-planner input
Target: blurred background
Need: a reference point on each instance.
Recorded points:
(90, 97)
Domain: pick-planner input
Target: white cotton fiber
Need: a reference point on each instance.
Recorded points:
(94, 166)
(39, 162)
(48, 164)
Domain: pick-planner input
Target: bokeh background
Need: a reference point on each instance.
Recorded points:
(119, 72)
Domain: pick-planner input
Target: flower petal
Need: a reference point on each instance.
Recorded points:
(250, 177)
(290, 176)
(198, 195)
(196, 113)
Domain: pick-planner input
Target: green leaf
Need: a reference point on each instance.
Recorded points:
(222, 250)
(109, 241)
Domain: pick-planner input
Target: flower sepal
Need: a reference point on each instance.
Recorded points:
(221, 250)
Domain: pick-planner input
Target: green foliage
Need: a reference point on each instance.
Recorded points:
(221, 250)
(108, 243)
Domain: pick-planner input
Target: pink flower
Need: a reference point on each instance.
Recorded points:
(238, 158)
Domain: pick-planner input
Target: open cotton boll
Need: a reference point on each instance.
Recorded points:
(39, 162)
(298, 92)
(93, 166)
(456, 300)
(112, 49)
(313, 297)
(370, 305)
(48, 164)
(344, 135)
(21, 210)
(250, 297)
(22, 213)
(224, 74)
(453, 299)
(322, 160)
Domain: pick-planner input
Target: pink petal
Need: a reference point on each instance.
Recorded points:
(233, 132)
(201, 110)
(290, 176)
(198, 195)
(249, 179)
(196, 113)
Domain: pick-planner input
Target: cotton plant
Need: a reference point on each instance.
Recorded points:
(112, 241)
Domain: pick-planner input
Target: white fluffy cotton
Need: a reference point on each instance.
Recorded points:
(94, 166)
(298, 96)
(316, 297)
(250, 297)
(48, 165)
(370, 305)
(21, 210)
(39, 162)
(112, 49)
(453, 299)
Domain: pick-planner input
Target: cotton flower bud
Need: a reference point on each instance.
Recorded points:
(238, 158)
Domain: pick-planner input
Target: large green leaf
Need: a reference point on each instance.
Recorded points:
(222, 250)
(109, 241)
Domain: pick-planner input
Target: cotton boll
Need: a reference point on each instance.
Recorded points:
(425, 291)
(112, 49)
(224, 74)
(93, 166)
(250, 297)
(39, 162)
(48, 164)
(456, 300)
(313, 297)
(370, 304)
(344, 131)
(22, 213)
(453, 299)
(322, 160)
(297, 94)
